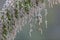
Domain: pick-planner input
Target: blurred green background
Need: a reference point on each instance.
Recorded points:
(51, 33)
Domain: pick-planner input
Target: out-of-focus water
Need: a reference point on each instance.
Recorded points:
(53, 31)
